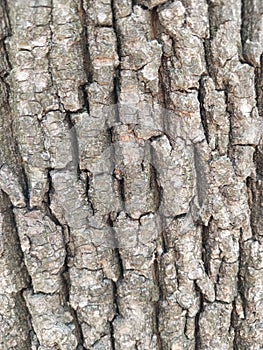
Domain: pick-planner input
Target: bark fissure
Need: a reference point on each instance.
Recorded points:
(165, 85)
(156, 304)
(259, 86)
(205, 246)
(252, 203)
(6, 11)
(88, 68)
(243, 27)
(230, 115)
(197, 335)
(116, 79)
(86, 52)
(87, 190)
(202, 109)
(74, 144)
(241, 280)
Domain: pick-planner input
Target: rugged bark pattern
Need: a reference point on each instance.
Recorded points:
(131, 167)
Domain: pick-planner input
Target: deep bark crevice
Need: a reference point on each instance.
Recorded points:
(208, 59)
(116, 252)
(87, 63)
(253, 203)
(241, 280)
(155, 23)
(74, 145)
(47, 199)
(6, 11)
(197, 333)
(259, 87)
(79, 332)
(121, 187)
(203, 113)
(205, 232)
(165, 86)
(112, 337)
(229, 111)
(115, 304)
(89, 176)
(88, 67)
(243, 28)
(117, 73)
(155, 188)
(234, 325)
(156, 304)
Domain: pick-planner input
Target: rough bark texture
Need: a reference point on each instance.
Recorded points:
(131, 165)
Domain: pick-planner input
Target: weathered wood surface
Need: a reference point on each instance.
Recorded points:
(131, 167)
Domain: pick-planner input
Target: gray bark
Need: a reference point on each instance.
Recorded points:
(131, 167)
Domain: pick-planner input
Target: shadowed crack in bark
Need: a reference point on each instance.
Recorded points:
(156, 304)
(259, 87)
(202, 109)
(198, 343)
(24, 312)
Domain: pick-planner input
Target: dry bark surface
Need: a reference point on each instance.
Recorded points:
(131, 165)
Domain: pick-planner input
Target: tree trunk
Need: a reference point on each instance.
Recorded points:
(131, 201)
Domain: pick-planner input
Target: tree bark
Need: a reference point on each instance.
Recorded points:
(131, 167)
